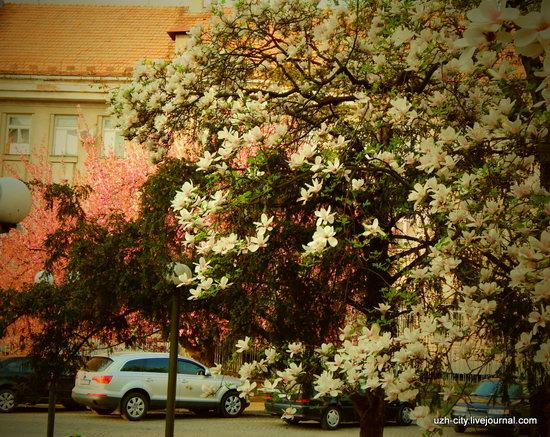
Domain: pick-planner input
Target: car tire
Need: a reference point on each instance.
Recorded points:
(460, 429)
(292, 421)
(231, 405)
(134, 406)
(403, 415)
(8, 400)
(331, 418)
(103, 411)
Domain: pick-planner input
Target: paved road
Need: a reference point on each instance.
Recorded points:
(31, 422)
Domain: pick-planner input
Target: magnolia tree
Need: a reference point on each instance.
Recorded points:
(374, 158)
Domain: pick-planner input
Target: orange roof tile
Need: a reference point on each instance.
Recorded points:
(86, 40)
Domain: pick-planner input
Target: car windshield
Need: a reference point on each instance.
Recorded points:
(495, 389)
(97, 364)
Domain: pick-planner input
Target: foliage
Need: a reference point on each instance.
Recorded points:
(391, 157)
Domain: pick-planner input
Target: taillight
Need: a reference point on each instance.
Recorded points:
(268, 398)
(302, 401)
(105, 379)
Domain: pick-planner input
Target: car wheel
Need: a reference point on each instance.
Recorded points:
(403, 415)
(103, 411)
(134, 406)
(7, 400)
(292, 421)
(231, 405)
(331, 418)
(460, 428)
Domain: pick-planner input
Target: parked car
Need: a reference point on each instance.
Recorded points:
(488, 405)
(134, 383)
(331, 412)
(20, 383)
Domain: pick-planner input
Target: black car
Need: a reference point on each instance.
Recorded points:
(21, 384)
(329, 411)
(493, 404)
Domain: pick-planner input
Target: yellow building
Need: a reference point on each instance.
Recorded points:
(59, 61)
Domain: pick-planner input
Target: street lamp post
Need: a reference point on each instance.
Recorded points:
(15, 202)
(176, 270)
(47, 277)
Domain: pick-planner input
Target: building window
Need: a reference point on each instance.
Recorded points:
(113, 141)
(18, 134)
(65, 135)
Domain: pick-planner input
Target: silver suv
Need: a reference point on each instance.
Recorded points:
(137, 382)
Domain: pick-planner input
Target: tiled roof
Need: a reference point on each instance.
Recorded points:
(86, 40)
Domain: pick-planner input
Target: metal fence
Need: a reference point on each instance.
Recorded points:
(231, 361)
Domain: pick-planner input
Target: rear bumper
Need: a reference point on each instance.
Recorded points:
(94, 400)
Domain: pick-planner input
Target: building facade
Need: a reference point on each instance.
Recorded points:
(58, 63)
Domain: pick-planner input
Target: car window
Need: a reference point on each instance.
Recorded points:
(134, 366)
(158, 365)
(486, 388)
(13, 366)
(514, 391)
(189, 368)
(97, 364)
(16, 365)
(26, 366)
(496, 389)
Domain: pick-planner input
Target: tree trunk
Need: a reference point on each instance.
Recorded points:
(540, 408)
(370, 408)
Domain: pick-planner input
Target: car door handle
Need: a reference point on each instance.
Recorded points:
(184, 380)
(149, 379)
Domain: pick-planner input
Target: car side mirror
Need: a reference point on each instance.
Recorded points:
(205, 372)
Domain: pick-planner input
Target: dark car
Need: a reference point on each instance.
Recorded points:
(21, 384)
(493, 404)
(329, 411)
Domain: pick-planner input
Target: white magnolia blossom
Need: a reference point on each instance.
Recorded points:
(216, 370)
(270, 387)
(288, 413)
(325, 349)
(295, 348)
(373, 229)
(209, 390)
(259, 241)
(270, 355)
(246, 389)
(243, 345)
(542, 355)
(247, 370)
(357, 184)
(323, 236)
(265, 223)
(325, 217)
(326, 384)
